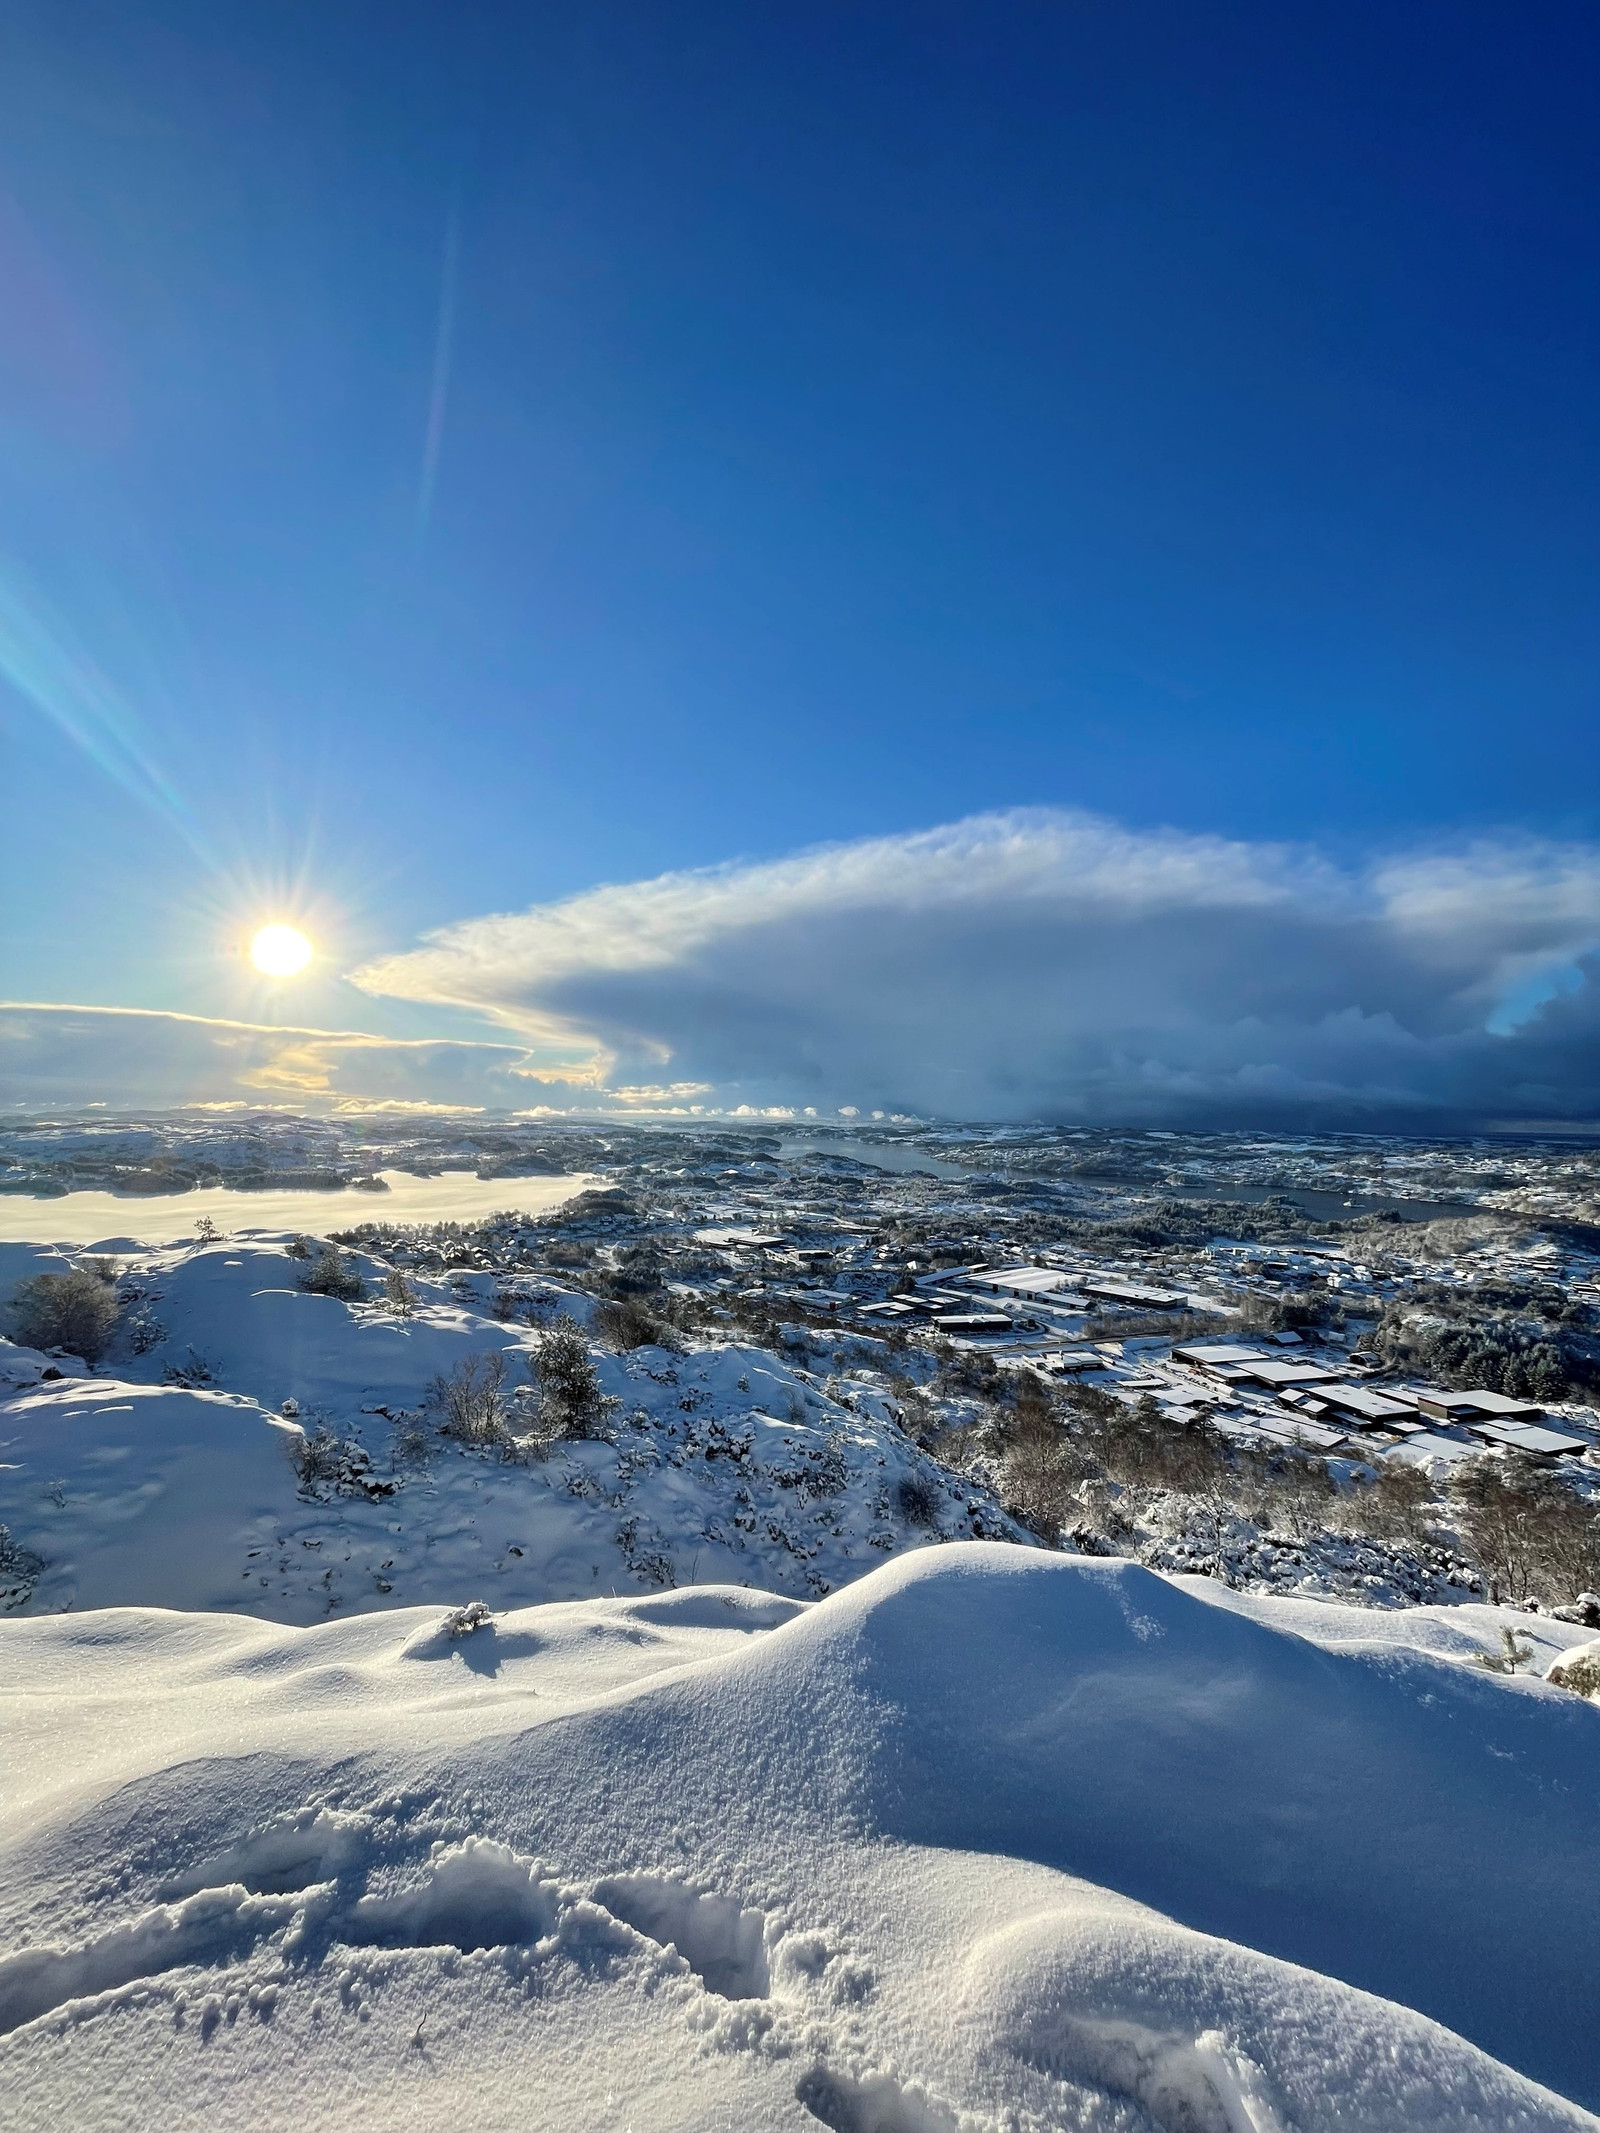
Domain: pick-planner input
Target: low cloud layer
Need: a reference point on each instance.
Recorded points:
(91, 1055)
(1041, 965)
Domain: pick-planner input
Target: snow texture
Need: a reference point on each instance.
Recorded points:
(989, 1839)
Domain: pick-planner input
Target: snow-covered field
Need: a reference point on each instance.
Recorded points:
(763, 1800)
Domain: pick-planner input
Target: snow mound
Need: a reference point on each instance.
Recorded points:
(988, 1839)
(166, 1478)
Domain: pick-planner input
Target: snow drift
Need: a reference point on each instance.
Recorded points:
(991, 1838)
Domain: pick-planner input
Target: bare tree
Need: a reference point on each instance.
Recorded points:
(1530, 1533)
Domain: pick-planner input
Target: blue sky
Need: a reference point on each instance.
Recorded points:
(453, 458)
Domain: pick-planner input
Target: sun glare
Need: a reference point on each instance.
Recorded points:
(280, 952)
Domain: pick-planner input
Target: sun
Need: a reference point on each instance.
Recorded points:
(280, 951)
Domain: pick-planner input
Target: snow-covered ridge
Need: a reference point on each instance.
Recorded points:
(729, 1464)
(990, 1839)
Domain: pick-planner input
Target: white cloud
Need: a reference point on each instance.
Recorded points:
(1022, 965)
(1044, 964)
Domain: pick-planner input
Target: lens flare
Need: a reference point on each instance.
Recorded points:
(280, 951)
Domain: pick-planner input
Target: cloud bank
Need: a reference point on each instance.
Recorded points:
(1057, 966)
(1020, 966)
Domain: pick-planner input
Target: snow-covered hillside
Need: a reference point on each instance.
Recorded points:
(721, 1771)
(990, 1839)
(729, 1464)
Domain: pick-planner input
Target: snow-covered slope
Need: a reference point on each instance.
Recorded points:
(991, 1838)
(729, 1464)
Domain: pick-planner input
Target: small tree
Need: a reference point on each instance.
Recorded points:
(1516, 1650)
(400, 1296)
(331, 1274)
(571, 1403)
(75, 1311)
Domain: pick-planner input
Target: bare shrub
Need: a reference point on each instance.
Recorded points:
(75, 1311)
(1041, 1466)
(331, 1274)
(918, 1499)
(628, 1322)
(193, 1373)
(1289, 1492)
(1397, 1506)
(470, 1404)
(411, 1442)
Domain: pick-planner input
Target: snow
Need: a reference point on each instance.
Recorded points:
(682, 1782)
(991, 1838)
(728, 1465)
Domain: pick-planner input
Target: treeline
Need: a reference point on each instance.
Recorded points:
(1082, 1467)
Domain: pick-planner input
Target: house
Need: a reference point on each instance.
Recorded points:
(1130, 1292)
(1368, 1409)
(1476, 1405)
(1528, 1437)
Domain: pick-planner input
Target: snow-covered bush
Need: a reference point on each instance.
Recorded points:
(75, 1311)
(331, 1274)
(19, 1567)
(331, 1465)
(465, 1621)
(918, 1499)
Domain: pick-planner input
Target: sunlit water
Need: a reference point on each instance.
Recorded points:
(456, 1196)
